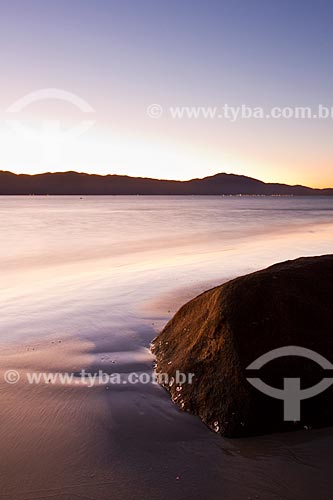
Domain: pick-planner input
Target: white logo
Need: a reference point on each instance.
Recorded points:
(52, 135)
(154, 111)
(291, 394)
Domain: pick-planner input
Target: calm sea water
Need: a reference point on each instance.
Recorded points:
(85, 262)
(87, 283)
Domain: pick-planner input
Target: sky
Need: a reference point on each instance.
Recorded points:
(93, 86)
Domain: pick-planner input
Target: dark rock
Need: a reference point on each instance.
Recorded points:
(221, 332)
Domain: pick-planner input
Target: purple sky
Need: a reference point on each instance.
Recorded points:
(119, 57)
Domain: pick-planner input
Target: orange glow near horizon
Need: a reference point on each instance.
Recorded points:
(33, 143)
(87, 99)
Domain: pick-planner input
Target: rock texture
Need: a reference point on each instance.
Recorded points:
(221, 332)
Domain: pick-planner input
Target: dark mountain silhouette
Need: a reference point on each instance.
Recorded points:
(74, 183)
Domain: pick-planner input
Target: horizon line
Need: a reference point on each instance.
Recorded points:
(159, 178)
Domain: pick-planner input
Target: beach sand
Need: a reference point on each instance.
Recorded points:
(75, 296)
(102, 442)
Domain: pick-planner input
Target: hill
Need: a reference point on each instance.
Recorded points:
(74, 183)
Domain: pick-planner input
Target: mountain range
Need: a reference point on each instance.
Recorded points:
(75, 183)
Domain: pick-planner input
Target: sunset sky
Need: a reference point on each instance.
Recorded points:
(108, 61)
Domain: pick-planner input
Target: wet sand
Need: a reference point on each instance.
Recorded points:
(103, 442)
